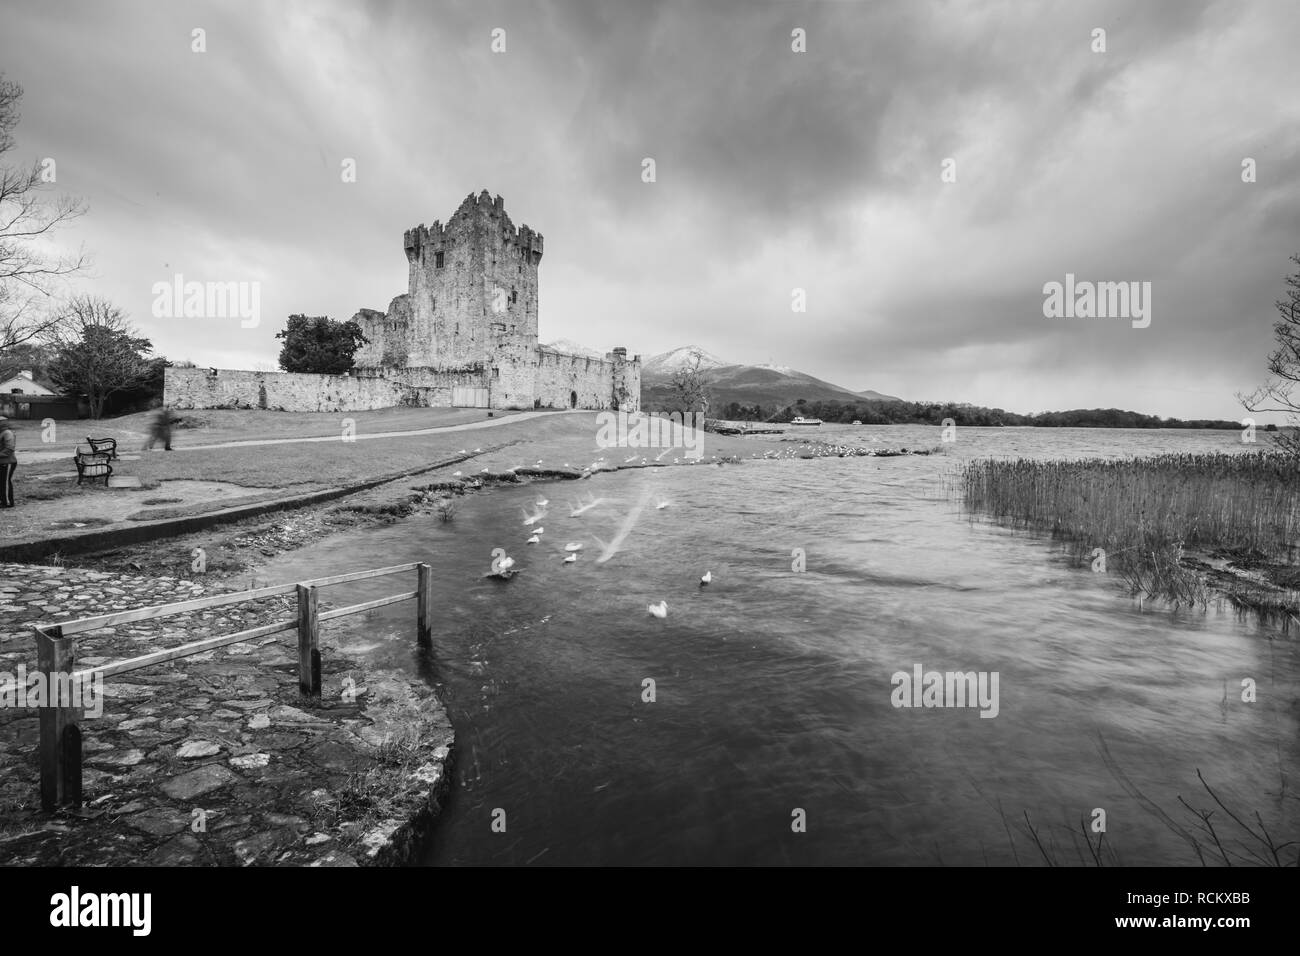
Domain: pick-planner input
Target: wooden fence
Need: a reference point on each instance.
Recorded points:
(60, 725)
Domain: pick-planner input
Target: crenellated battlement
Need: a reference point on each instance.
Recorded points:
(481, 213)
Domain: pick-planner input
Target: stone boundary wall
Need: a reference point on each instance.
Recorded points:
(284, 391)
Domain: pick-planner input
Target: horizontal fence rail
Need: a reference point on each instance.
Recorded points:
(60, 723)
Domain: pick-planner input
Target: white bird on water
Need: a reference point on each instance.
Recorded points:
(542, 502)
(661, 506)
(539, 531)
(707, 579)
(573, 546)
(658, 610)
(534, 540)
(570, 558)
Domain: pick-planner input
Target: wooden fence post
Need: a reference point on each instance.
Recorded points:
(60, 746)
(424, 614)
(308, 642)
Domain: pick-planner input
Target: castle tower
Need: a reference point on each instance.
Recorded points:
(626, 378)
(472, 286)
(467, 325)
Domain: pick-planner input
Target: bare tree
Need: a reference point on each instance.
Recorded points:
(97, 352)
(1276, 394)
(689, 389)
(27, 218)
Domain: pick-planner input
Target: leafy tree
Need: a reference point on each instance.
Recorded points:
(1276, 394)
(96, 352)
(147, 393)
(27, 269)
(319, 344)
(28, 355)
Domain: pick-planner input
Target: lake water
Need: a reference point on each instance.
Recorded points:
(773, 687)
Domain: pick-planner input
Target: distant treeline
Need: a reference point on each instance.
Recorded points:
(932, 413)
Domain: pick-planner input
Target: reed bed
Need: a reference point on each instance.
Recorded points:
(1144, 512)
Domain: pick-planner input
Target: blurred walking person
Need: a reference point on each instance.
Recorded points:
(161, 430)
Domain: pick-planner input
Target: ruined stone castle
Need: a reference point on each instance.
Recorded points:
(464, 333)
(470, 313)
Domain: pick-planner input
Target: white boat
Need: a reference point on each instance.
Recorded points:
(806, 421)
(857, 422)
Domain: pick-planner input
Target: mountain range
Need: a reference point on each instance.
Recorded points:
(766, 385)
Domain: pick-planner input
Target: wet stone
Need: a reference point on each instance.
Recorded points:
(136, 722)
(249, 849)
(128, 758)
(195, 783)
(183, 850)
(160, 821)
(194, 749)
(250, 761)
(284, 712)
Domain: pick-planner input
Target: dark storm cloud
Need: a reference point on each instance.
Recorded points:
(775, 170)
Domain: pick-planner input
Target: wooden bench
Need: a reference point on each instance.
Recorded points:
(93, 464)
(100, 446)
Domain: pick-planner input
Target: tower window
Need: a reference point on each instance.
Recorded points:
(514, 296)
(437, 260)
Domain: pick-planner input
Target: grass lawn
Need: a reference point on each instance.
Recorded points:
(211, 426)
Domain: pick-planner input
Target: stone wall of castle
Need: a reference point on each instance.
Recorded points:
(573, 381)
(282, 391)
(551, 380)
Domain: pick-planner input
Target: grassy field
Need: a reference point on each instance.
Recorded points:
(1146, 513)
(212, 426)
(50, 500)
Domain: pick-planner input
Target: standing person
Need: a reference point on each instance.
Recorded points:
(8, 462)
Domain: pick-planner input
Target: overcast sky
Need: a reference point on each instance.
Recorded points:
(775, 170)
